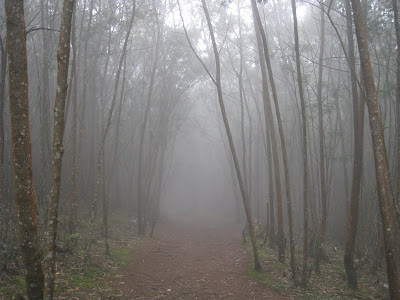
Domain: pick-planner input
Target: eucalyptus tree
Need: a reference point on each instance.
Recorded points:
(397, 180)
(45, 116)
(378, 145)
(358, 123)
(272, 134)
(57, 147)
(3, 73)
(21, 148)
(282, 139)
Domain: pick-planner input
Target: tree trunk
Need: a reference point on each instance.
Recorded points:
(21, 147)
(304, 150)
(269, 118)
(217, 82)
(3, 72)
(45, 132)
(57, 147)
(381, 168)
(73, 211)
(358, 120)
(397, 180)
(293, 264)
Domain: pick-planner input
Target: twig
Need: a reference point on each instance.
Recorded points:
(32, 29)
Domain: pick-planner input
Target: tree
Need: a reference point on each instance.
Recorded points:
(397, 180)
(57, 147)
(269, 118)
(378, 145)
(218, 85)
(21, 147)
(73, 209)
(45, 111)
(3, 73)
(358, 121)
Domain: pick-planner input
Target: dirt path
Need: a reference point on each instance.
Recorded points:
(192, 260)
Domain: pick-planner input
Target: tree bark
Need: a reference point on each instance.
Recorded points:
(381, 167)
(293, 264)
(73, 211)
(397, 179)
(45, 150)
(57, 147)
(269, 119)
(21, 147)
(3, 73)
(358, 132)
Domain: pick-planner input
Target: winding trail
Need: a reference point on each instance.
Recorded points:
(193, 259)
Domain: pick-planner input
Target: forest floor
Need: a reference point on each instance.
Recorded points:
(193, 259)
(188, 258)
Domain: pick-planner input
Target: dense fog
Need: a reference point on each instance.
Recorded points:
(282, 117)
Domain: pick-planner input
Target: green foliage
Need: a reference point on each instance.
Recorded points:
(330, 284)
(88, 278)
(121, 255)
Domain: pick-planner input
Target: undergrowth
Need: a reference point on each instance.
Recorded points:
(329, 284)
(76, 278)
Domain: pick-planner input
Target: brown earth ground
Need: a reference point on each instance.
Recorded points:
(192, 259)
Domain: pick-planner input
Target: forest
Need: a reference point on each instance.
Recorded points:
(204, 149)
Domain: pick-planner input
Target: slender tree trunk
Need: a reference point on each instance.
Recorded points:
(268, 159)
(397, 180)
(45, 113)
(293, 264)
(269, 119)
(250, 177)
(358, 139)
(21, 148)
(74, 198)
(381, 168)
(3, 72)
(304, 150)
(270, 201)
(57, 147)
(321, 133)
(217, 82)
(106, 190)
